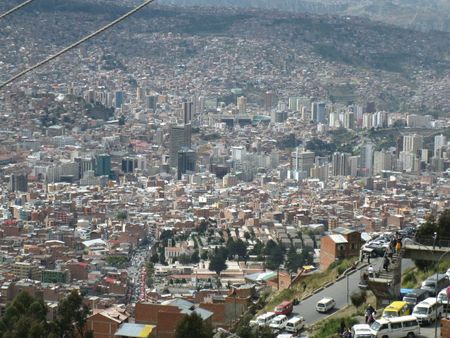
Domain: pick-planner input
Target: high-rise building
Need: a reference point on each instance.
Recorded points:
(242, 104)
(151, 102)
(18, 182)
(103, 165)
(340, 164)
(318, 112)
(302, 162)
(186, 161)
(439, 142)
(383, 160)
(412, 143)
(129, 164)
(118, 100)
(268, 101)
(367, 159)
(187, 112)
(349, 120)
(180, 136)
(140, 94)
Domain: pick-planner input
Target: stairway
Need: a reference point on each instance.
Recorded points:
(386, 284)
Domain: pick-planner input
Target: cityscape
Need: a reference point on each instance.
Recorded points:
(223, 170)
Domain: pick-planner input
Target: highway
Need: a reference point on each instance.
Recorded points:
(338, 291)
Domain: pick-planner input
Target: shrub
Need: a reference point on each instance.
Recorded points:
(358, 298)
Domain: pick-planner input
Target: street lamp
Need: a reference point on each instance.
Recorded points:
(435, 288)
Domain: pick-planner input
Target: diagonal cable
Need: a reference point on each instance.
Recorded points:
(12, 10)
(76, 44)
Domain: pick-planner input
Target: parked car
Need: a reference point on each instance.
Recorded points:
(278, 323)
(263, 320)
(295, 324)
(285, 308)
(361, 331)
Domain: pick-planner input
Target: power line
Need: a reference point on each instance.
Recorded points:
(12, 10)
(76, 44)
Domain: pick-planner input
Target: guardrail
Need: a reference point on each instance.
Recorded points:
(443, 242)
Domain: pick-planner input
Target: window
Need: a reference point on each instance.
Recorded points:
(384, 327)
(341, 247)
(410, 323)
(396, 326)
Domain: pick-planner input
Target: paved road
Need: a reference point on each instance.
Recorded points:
(338, 291)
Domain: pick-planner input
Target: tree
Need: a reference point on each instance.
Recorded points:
(358, 298)
(25, 316)
(217, 260)
(274, 255)
(237, 248)
(203, 226)
(294, 260)
(192, 326)
(72, 316)
(265, 332)
(122, 215)
(195, 258)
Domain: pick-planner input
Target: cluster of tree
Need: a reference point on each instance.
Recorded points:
(441, 227)
(193, 326)
(426, 231)
(320, 148)
(25, 317)
(189, 259)
(119, 262)
(274, 253)
(288, 141)
(296, 260)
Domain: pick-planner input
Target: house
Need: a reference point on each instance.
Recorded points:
(166, 315)
(105, 323)
(341, 244)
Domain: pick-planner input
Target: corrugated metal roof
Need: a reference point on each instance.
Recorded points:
(134, 330)
(339, 239)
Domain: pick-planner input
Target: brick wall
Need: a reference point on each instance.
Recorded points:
(445, 328)
(327, 252)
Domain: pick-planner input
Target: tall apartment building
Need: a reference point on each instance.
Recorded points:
(341, 164)
(412, 143)
(180, 136)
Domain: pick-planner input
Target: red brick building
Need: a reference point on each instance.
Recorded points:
(341, 244)
(167, 315)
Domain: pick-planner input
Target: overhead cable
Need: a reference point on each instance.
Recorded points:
(12, 10)
(76, 44)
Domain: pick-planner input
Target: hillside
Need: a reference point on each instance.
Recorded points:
(322, 56)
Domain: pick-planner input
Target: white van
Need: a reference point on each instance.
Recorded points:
(325, 304)
(295, 324)
(396, 327)
(263, 319)
(278, 323)
(361, 331)
(442, 297)
(427, 311)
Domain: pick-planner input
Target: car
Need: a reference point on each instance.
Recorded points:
(278, 323)
(448, 273)
(325, 304)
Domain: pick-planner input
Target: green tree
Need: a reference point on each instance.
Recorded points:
(237, 248)
(25, 317)
(72, 316)
(193, 326)
(122, 215)
(217, 262)
(195, 258)
(274, 255)
(294, 260)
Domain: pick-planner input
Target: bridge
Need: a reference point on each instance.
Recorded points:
(386, 285)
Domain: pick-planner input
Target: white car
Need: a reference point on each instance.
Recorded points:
(361, 331)
(325, 304)
(448, 273)
(278, 323)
